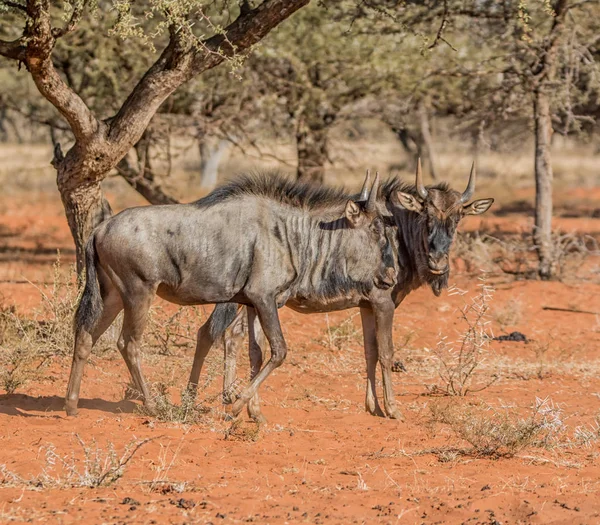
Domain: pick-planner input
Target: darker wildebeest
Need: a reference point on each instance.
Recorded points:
(421, 223)
(256, 241)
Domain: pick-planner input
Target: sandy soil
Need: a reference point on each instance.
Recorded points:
(321, 458)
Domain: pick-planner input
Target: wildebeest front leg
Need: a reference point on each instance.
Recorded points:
(134, 322)
(370, 343)
(269, 319)
(384, 319)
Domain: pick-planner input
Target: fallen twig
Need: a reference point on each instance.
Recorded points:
(574, 310)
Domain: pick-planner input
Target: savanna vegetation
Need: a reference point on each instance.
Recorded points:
(158, 102)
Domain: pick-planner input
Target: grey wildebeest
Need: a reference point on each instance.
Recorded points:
(421, 223)
(256, 241)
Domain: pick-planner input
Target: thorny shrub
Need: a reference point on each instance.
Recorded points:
(95, 467)
(459, 361)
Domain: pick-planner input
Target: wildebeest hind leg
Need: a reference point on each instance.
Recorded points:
(84, 341)
(267, 312)
(256, 340)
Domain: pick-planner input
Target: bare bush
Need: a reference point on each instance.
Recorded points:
(28, 344)
(459, 361)
(94, 467)
(501, 432)
(515, 254)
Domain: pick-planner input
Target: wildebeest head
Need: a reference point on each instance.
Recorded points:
(363, 214)
(440, 210)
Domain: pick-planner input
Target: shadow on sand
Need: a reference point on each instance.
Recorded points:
(21, 404)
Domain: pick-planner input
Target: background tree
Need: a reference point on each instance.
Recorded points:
(499, 61)
(30, 33)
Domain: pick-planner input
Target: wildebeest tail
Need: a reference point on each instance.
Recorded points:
(90, 305)
(222, 316)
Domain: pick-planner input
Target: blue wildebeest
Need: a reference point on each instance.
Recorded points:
(421, 223)
(256, 241)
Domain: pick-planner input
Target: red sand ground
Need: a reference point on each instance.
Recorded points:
(321, 458)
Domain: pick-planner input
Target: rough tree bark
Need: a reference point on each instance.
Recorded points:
(543, 184)
(101, 144)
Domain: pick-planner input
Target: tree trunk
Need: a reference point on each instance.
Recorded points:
(311, 145)
(543, 184)
(85, 208)
(427, 140)
(211, 155)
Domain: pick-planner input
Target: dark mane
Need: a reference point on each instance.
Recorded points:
(395, 184)
(274, 186)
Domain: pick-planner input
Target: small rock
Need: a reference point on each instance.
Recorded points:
(182, 503)
(129, 501)
(398, 366)
(513, 336)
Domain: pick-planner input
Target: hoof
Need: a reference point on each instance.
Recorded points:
(227, 416)
(394, 413)
(237, 407)
(71, 410)
(258, 418)
(375, 411)
(132, 394)
(149, 408)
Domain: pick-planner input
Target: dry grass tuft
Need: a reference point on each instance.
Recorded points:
(165, 410)
(341, 335)
(510, 315)
(500, 432)
(27, 344)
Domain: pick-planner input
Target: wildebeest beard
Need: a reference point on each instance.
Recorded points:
(438, 282)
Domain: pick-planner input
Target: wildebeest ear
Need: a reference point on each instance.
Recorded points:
(353, 214)
(478, 207)
(409, 202)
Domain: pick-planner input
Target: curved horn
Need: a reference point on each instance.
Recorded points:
(370, 207)
(468, 193)
(421, 189)
(364, 193)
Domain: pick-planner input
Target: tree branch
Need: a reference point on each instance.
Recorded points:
(70, 26)
(14, 50)
(146, 187)
(35, 49)
(15, 5)
(179, 63)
